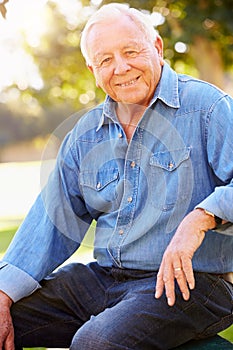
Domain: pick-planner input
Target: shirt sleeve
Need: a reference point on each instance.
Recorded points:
(15, 282)
(219, 133)
(50, 233)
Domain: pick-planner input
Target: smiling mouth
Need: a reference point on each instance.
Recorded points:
(128, 83)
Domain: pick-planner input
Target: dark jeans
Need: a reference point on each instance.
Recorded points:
(90, 307)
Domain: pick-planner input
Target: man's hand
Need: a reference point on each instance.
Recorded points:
(177, 259)
(6, 326)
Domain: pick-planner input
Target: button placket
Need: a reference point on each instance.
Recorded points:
(129, 199)
(127, 208)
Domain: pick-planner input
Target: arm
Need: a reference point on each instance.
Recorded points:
(51, 232)
(219, 130)
(6, 326)
(177, 259)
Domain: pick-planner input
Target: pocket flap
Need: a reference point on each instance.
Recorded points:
(170, 160)
(2, 264)
(99, 180)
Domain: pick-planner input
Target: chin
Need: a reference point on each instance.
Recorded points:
(133, 100)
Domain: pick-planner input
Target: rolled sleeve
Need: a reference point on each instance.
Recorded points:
(16, 283)
(215, 204)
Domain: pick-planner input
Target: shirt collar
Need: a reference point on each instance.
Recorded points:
(166, 91)
(109, 112)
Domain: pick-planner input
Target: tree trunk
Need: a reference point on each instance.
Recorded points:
(208, 61)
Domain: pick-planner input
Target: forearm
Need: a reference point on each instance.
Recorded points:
(5, 300)
(6, 325)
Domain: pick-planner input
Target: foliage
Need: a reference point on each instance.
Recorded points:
(186, 20)
(62, 66)
(204, 27)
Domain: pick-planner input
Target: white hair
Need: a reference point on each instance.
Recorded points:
(115, 10)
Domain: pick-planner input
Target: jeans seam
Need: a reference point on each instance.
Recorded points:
(46, 325)
(205, 333)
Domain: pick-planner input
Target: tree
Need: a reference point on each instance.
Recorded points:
(204, 26)
(197, 40)
(202, 29)
(63, 69)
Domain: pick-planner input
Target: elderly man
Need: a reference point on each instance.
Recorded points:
(153, 166)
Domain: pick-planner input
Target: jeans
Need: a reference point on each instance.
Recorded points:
(91, 307)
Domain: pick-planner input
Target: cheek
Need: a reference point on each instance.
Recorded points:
(101, 78)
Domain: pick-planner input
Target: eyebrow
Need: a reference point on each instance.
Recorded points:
(99, 55)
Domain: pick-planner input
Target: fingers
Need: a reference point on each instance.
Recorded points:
(160, 284)
(177, 260)
(179, 269)
(180, 277)
(165, 280)
(188, 272)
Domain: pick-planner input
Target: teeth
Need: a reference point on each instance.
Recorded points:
(131, 82)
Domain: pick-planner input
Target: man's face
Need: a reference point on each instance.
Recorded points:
(126, 65)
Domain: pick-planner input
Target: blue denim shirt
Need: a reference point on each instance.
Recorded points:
(180, 157)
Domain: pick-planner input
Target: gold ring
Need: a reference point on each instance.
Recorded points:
(177, 269)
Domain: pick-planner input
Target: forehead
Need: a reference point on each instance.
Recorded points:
(114, 32)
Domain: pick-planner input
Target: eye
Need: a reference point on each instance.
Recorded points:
(105, 61)
(131, 53)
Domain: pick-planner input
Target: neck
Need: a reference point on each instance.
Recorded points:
(129, 115)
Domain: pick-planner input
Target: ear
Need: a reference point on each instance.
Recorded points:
(90, 68)
(92, 71)
(159, 47)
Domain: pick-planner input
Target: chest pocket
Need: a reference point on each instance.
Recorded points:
(170, 160)
(170, 178)
(100, 188)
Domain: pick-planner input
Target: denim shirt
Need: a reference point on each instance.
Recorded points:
(137, 191)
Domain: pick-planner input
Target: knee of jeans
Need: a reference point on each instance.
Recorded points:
(87, 338)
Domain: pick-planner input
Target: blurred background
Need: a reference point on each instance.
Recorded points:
(44, 81)
(43, 78)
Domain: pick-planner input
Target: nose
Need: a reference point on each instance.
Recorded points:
(121, 65)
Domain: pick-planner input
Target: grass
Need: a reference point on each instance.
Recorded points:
(6, 236)
(7, 231)
(228, 334)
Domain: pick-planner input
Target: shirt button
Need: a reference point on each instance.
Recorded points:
(120, 135)
(170, 166)
(133, 164)
(98, 185)
(121, 232)
(129, 199)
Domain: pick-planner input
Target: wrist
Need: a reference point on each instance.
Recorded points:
(218, 220)
(5, 300)
(208, 219)
(215, 221)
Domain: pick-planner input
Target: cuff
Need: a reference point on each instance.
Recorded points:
(16, 283)
(210, 204)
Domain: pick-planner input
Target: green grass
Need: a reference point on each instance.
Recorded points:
(5, 238)
(228, 334)
(8, 230)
